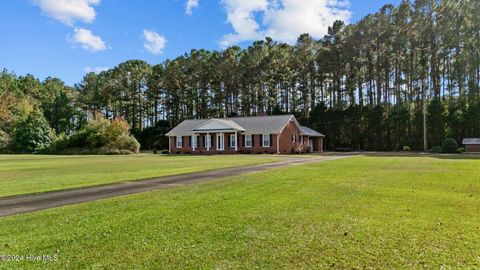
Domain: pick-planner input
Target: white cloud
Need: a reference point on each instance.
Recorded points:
(69, 11)
(240, 13)
(283, 20)
(154, 43)
(95, 69)
(88, 41)
(190, 5)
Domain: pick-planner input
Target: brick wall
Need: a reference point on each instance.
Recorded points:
(286, 143)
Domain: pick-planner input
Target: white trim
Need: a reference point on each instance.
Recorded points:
(251, 141)
(181, 142)
(263, 140)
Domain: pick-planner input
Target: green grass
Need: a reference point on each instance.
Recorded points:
(360, 212)
(23, 174)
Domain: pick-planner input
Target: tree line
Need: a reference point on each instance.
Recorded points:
(378, 84)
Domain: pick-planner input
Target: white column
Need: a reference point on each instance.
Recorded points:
(236, 141)
(278, 143)
(209, 140)
(193, 142)
(221, 139)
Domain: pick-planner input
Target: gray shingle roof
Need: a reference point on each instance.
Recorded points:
(185, 127)
(468, 141)
(310, 132)
(271, 124)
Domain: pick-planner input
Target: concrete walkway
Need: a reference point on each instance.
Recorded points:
(40, 201)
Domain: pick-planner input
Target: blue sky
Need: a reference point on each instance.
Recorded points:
(67, 38)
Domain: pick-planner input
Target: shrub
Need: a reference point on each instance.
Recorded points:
(116, 129)
(461, 150)
(99, 137)
(407, 148)
(96, 140)
(5, 139)
(436, 149)
(88, 138)
(33, 134)
(449, 145)
(78, 139)
(97, 126)
(126, 142)
(164, 152)
(58, 145)
(126, 152)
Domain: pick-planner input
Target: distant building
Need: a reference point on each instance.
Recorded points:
(472, 145)
(276, 134)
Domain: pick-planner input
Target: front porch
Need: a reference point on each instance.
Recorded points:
(314, 143)
(218, 135)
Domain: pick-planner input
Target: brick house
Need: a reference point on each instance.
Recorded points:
(276, 134)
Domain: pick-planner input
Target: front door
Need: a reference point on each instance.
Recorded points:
(310, 143)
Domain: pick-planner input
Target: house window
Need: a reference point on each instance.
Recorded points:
(294, 137)
(266, 140)
(301, 139)
(208, 141)
(233, 140)
(179, 141)
(220, 141)
(248, 140)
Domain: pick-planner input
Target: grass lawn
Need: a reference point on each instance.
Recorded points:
(22, 174)
(359, 212)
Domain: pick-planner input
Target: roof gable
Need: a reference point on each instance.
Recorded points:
(271, 124)
(218, 124)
